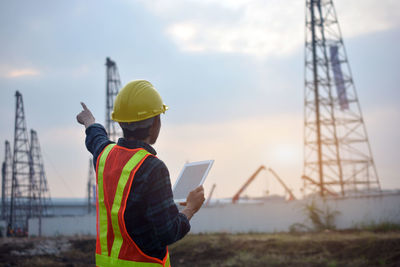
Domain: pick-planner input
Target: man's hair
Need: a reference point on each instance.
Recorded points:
(139, 134)
(138, 130)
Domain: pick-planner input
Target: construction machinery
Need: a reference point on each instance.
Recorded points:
(113, 84)
(291, 196)
(235, 198)
(25, 193)
(6, 182)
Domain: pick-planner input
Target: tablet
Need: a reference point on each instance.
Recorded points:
(192, 175)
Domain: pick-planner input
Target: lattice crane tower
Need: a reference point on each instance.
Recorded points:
(6, 182)
(41, 199)
(113, 84)
(21, 174)
(337, 154)
(91, 187)
(29, 195)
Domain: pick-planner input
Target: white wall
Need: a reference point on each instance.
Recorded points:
(272, 216)
(279, 216)
(263, 217)
(72, 225)
(358, 211)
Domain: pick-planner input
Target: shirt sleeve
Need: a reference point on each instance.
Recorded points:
(170, 225)
(96, 140)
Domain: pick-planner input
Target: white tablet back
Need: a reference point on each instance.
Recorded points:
(192, 175)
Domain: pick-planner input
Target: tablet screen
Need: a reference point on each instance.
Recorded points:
(192, 175)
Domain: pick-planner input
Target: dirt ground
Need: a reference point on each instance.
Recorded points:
(351, 248)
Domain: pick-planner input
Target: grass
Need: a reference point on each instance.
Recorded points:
(326, 248)
(381, 227)
(307, 249)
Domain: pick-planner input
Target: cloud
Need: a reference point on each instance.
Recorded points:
(17, 73)
(368, 16)
(261, 28)
(75, 71)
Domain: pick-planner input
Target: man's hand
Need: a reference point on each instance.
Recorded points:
(194, 201)
(85, 117)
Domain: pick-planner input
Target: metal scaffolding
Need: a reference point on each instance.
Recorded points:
(29, 196)
(91, 187)
(6, 182)
(21, 174)
(337, 154)
(40, 191)
(113, 84)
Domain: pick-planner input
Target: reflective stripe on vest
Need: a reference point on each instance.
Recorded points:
(102, 207)
(102, 260)
(113, 260)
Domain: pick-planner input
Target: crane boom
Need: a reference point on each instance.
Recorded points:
(262, 167)
(237, 195)
(292, 197)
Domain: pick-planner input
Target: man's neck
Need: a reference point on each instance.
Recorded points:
(147, 140)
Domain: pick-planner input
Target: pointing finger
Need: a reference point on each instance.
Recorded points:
(84, 106)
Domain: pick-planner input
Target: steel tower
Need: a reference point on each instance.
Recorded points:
(21, 171)
(6, 182)
(113, 85)
(29, 195)
(337, 154)
(91, 187)
(41, 200)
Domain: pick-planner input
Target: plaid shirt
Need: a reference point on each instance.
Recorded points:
(151, 216)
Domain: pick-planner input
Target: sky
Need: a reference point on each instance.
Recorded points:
(230, 71)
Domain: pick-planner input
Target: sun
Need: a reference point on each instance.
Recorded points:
(286, 153)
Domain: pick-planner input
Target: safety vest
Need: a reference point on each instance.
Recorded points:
(116, 168)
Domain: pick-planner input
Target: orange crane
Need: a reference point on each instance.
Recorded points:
(235, 198)
(291, 196)
(237, 195)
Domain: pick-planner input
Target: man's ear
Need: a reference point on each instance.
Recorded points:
(156, 121)
(152, 127)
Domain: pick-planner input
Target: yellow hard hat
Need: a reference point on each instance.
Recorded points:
(137, 101)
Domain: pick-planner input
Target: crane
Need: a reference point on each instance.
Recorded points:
(237, 195)
(235, 198)
(292, 197)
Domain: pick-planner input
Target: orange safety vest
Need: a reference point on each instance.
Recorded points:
(116, 168)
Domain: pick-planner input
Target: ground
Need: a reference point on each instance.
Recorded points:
(330, 248)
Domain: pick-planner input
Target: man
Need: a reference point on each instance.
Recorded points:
(136, 215)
